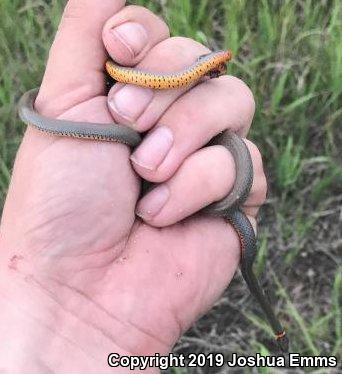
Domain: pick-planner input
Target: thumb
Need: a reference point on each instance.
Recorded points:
(74, 72)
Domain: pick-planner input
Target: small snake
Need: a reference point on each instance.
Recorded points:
(211, 65)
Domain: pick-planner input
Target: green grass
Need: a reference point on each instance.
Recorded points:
(290, 54)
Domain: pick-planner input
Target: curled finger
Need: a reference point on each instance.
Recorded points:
(205, 177)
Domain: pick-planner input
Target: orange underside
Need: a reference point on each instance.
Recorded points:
(160, 81)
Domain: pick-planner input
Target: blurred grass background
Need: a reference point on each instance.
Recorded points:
(290, 54)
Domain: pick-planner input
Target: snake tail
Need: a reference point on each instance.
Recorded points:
(240, 222)
(229, 208)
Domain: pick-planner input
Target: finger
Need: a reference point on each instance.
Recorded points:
(257, 195)
(74, 71)
(142, 107)
(131, 33)
(208, 109)
(205, 177)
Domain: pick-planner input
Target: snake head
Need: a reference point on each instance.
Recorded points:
(217, 71)
(217, 61)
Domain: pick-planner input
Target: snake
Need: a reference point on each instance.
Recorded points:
(210, 65)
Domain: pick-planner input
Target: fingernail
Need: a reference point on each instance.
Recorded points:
(153, 150)
(132, 35)
(130, 101)
(150, 205)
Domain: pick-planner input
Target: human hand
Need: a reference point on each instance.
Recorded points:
(81, 276)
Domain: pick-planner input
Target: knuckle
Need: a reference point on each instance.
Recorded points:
(185, 46)
(256, 156)
(256, 198)
(258, 193)
(177, 52)
(240, 88)
(239, 92)
(262, 189)
(216, 181)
